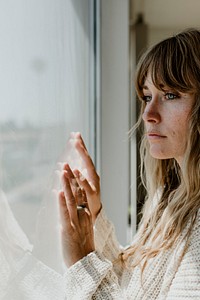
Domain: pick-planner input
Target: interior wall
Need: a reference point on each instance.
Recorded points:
(157, 34)
(165, 18)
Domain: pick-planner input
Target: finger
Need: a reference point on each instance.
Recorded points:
(82, 181)
(83, 152)
(81, 148)
(82, 141)
(79, 144)
(84, 201)
(64, 214)
(83, 204)
(71, 176)
(81, 213)
(74, 184)
(92, 174)
(85, 217)
(69, 197)
(76, 189)
(84, 214)
(67, 168)
(79, 196)
(77, 135)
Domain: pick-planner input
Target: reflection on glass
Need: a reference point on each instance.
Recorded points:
(45, 54)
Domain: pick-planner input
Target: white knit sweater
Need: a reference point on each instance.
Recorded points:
(23, 276)
(95, 277)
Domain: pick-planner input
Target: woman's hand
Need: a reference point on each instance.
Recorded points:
(77, 228)
(91, 184)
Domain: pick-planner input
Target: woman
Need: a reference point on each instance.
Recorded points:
(163, 261)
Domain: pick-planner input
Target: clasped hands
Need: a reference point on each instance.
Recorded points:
(77, 224)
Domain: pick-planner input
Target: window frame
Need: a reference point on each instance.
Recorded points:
(116, 160)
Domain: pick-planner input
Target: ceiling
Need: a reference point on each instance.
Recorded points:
(169, 13)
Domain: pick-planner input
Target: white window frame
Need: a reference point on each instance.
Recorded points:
(115, 157)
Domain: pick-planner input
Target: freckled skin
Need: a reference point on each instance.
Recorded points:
(167, 118)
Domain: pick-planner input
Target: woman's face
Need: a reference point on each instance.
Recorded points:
(166, 117)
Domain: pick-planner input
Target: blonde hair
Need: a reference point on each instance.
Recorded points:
(175, 63)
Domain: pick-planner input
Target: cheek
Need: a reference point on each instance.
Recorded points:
(173, 133)
(179, 136)
(180, 123)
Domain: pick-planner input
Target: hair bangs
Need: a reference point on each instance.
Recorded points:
(170, 65)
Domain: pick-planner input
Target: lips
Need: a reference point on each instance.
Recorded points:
(155, 134)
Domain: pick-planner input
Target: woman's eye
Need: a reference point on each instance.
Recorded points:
(146, 98)
(171, 96)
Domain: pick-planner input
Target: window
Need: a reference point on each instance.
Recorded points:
(47, 90)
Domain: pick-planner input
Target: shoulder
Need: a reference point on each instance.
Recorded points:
(195, 234)
(186, 282)
(190, 264)
(194, 244)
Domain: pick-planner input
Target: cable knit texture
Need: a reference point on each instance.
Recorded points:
(98, 276)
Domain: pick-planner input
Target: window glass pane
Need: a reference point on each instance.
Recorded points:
(45, 59)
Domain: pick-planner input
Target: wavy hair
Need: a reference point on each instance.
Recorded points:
(175, 63)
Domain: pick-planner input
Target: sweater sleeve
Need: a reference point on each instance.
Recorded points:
(106, 242)
(98, 275)
(92, 278)
(186, 282)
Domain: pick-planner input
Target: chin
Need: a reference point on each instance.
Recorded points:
(160, 154)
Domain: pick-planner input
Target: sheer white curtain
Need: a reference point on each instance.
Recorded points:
(45, 78)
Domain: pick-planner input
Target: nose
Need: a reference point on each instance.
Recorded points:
(151, 112)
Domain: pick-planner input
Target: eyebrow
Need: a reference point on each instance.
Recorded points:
(162, 87)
